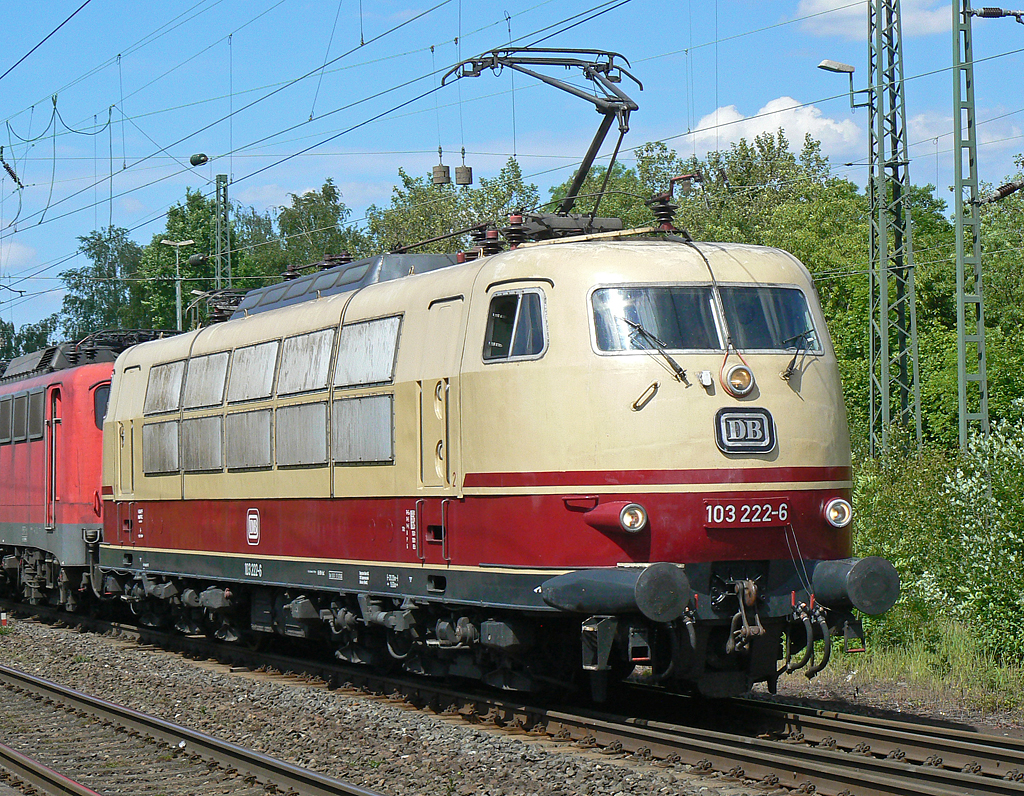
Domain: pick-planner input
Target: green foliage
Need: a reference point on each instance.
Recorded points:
(952, 526)
(30, 337)
(420, 210)
(103, 295)
(312, 226)
(191, 220)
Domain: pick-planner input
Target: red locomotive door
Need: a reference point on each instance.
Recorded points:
(53, 426)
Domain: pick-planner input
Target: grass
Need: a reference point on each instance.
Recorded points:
(945, 669)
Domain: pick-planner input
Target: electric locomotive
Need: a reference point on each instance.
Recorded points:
(52, 404)
(542, 466)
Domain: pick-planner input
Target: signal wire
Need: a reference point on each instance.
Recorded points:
(48, 35)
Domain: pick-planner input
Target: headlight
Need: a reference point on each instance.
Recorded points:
(633, 518)
(739, 380)
(838, 512)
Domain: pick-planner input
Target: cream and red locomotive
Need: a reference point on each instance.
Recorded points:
(570, 458)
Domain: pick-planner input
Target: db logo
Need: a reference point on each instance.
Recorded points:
(252, 527)
(744, 430)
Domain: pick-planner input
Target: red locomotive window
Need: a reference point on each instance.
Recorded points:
(5, 420)
(20, 415)
(100, 399)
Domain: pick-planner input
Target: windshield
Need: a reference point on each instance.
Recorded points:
(680, 317)
(772, 318)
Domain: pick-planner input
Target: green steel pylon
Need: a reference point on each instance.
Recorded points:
(972, 383)
(895, 394)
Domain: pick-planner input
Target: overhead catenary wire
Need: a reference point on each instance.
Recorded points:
(296, 153)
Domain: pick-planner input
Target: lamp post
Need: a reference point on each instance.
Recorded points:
(177, 272)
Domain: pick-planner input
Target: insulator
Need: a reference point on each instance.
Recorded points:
(515, 232)
(441, 175)
(470, 254)
(463, 173)
(334, 260)
(664, 212)
(492, 243)
(290, 273)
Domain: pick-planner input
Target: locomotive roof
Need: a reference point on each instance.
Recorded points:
(99, 347)
(340, 279)
(580, 261)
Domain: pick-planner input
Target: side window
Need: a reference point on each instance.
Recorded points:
(163, 393)
(366, 354)
(301, 435)
(36, 402)
(304, 362)
(5, 420)
(20, 418)
(204, 384)
(248, 439)
(160, 448)
(252, 372)
(515, 326)
(363, 430)
(201, 444)
(100, 399)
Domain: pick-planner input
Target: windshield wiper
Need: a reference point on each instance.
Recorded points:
(680, 373)
(801, 341)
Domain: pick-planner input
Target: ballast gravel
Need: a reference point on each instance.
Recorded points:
(368, 742)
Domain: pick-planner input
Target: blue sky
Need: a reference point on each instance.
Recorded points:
(240, 81)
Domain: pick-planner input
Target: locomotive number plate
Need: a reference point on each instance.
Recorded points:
(746, 512)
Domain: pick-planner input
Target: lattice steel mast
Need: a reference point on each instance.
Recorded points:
(895, 395)
(972, 382)
(223, 231)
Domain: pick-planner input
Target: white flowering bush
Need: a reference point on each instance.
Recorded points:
(954, 528)
(986, 493)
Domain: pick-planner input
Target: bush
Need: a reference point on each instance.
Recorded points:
(954, 528)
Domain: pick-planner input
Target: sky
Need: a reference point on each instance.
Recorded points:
(101, 118)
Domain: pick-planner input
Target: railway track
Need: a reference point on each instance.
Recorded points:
(787, 747)
(85, 746)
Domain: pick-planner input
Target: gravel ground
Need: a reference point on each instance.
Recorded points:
(374, 744)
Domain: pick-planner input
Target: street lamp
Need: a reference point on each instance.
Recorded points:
(844, 69)
(177, 272)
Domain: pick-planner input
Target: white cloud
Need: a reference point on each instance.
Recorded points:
(850, 20)
(785, 112)
(15, 256)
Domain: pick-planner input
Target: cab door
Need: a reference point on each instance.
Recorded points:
(439, 429)
(52, 456)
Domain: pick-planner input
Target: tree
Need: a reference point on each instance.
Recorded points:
(192, 220)
(313, 226)
(102, 295)
(420, 210)
(30, 337)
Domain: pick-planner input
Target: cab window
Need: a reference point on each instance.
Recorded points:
(680, 317)
(100, 397)
(769, 318)
(515, 326)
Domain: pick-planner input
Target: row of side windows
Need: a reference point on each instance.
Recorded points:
(362, 431)
(21, 417)
(294, 365)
